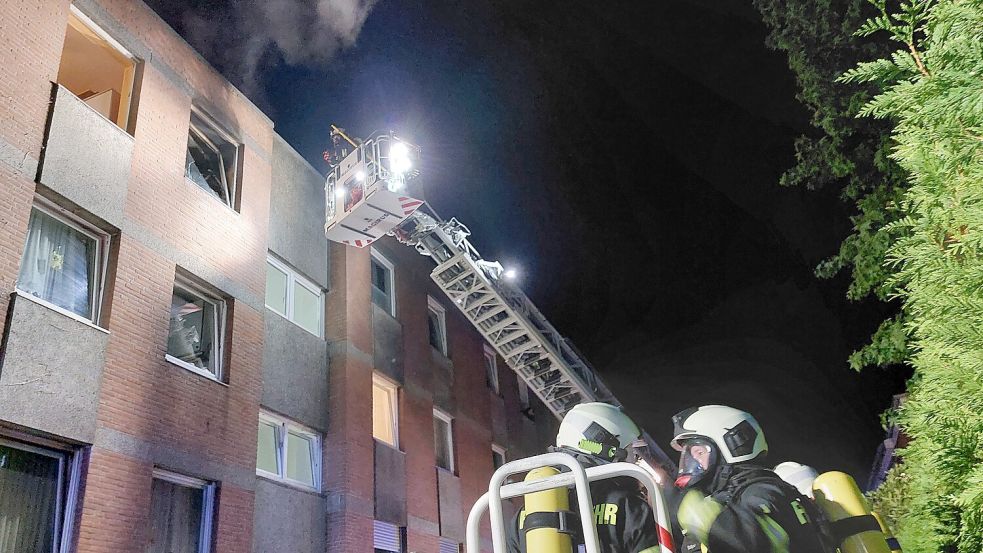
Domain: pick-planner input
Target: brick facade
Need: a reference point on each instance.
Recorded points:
(152, 414)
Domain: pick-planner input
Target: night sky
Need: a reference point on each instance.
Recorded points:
(625, 157)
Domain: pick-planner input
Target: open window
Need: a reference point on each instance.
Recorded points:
(197, 329)
(382, 283)
(491, 369)
(182, 511)
(212, 161)
(97, 69)
(385, 411)
(437, 325)
(443, 438)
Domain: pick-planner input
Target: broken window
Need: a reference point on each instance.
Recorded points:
(196, 332)
(212, 159)
(97, 69)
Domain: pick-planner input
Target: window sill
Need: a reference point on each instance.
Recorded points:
(220, 202)
(448, 471)
(191, 368)
(388, 445)
(293, 485)
(60, 310)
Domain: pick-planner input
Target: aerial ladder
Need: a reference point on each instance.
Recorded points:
(366, 198)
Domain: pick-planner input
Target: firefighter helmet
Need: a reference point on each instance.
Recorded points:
(600, 430)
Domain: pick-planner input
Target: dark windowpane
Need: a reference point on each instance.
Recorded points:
(211, 159)
(433, 326)
(380, 287)
(28, 500)
(176, 513)
(442, 445)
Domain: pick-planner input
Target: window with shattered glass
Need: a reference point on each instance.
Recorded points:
(212, 159)
(194, 336)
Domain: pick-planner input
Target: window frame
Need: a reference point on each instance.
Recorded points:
(68, 485)
(101, 259)
(497, 449)
(208, 489)
(491, 369)
(446, 417)
(434, 307)
(392, 392)
(376, 256)
(295, 278)
(125, 115)
(283, 427)
(220, 309)
(231, 184)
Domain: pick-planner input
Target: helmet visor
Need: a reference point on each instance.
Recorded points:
(697, 458)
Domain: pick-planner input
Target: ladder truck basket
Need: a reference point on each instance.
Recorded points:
(577, 478)
(365, 195)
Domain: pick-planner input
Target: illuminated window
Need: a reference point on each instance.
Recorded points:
(212, 159)
(443, 438)
(288, 452)
(97, 69)
(385, 411)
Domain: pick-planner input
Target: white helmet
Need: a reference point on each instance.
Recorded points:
(737, 435)
(799, 475)
(598, 429)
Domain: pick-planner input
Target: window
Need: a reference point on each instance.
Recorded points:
(38, 487)
(498, 456)
(443, 440)
(385, 411)
(197, 330)
(437, 325)
(382, 283)
(491, 369)
(63, 262)
(388, 538)
(288, 452)
(181, 511)
(97, 69)
(293, 296)
(524, 404)
(212, 159)
(448, 546)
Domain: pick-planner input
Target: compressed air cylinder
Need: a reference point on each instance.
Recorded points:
(892, 542)
(546, 540)
(839, 497)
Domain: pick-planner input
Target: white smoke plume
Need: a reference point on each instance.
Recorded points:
(246, 36)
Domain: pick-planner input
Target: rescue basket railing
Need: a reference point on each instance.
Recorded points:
(577, 478)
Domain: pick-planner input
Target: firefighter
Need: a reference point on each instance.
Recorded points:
(731, 504)
(598, 433)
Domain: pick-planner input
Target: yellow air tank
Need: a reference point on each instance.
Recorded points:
(857, 531)
(546, 540)
(892, 542)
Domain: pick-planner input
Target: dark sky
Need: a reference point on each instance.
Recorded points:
(625, 156)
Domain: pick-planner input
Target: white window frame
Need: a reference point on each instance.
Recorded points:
(491, 364)
(434, 307)
(221, 322)
(283, 427)
(294, 278)
(231, 181)
(438, 414)
(391, 280)
(207, 502)
(102, 240)
(501, 451)
(66, 496)
(393, 392)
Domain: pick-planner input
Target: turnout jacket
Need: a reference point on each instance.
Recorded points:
(623, 518)
(761, 514)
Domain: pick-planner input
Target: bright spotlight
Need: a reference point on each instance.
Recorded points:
(399, 158)
(360, 176)
(510, 274)
(339, 192)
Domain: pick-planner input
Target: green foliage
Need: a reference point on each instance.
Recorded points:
(933, 94)
(845, 152)
(891, 499)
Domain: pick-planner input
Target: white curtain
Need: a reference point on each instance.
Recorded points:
(175, 514)
(58, 264)
(28, 497)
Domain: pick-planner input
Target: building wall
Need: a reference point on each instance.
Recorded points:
(105, 389)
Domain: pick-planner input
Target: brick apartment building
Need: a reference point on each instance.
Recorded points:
(187, 364)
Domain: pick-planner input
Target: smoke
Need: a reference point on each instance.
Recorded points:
(247, 36)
